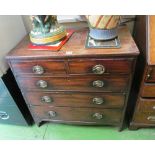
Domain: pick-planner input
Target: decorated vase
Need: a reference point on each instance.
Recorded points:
(103, 27)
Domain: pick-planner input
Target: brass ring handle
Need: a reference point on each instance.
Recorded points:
(52, 113)
(97, 116)
(151, 118)
(38, 69)
(98, 83)
(42, 84)
(98, 100)
(46, 99)
(4, 115)
(148, 73)
(98, 69)
(148, 76)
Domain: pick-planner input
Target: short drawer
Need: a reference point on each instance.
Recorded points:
(146, 105)
(144, 118)
(148, 90)
(39, 67)
(100, 66)
(104, 100)
(68, 114)
(150, 74)
(90, 84)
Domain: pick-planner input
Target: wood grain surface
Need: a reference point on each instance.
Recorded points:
(75, 47)
(70, 99)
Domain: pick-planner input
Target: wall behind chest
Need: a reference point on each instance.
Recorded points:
(12, 30)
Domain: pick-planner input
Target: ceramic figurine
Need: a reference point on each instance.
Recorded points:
(103, 27)
(46, 30)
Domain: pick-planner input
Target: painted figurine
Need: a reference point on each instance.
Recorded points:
(46, 30)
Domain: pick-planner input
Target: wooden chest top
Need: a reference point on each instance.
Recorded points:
(75, 48)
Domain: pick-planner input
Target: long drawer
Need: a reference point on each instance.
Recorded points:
(79, 83)
(103, 100)
(148, 90)
(144, 117)
(100, 66)
(68, 114)
(146, 105)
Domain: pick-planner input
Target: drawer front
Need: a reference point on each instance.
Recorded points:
(3, 89)
(144, 118)
(6, 101)
(94, 115)
(100, 66)
(148, 90)
(75, 99)
(146, 105)
(11, 115)
(40, 67)
(150, 74)
(99, 84)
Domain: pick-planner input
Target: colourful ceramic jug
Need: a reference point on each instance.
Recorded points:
(103, 27)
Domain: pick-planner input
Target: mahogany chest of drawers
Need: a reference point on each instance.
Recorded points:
(144, 81)
(76, 85)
